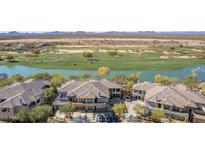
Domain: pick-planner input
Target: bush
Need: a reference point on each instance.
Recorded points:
(68, 109)
(112, 53)
(17, 78)
(31, 55)
(141, 110)
(5, 82)
(120, 109)
(40, 113)
(40, 76)
(23, 115)
(157, 115)
(85, 76)
(8, 57)
(87, 55)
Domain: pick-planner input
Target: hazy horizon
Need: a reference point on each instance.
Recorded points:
(101, 16)
(100, 31)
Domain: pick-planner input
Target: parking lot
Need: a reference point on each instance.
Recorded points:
(99, 117)
(86, 117)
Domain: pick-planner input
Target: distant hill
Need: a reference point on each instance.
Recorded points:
(15, 34)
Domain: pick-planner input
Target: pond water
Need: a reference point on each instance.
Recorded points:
(146, 75)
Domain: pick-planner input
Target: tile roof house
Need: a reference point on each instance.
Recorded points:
(89, 93)
(176, 98)
(21, 95)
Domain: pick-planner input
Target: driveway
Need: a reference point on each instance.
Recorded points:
(81, 117)
(130, 116)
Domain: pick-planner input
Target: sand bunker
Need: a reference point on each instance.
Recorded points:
(178, 57)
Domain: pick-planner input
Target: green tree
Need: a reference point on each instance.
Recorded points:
(120, 109)
(68, 109)
(157, 78)
(50, 94)
(191, 81)
(120, 78)
(23, 116)
(40, 113)
(134, 77)
(103, 72)
(202, 87)
(157, 115)
(203, 91)
(141, 110)
(40, 76)
(164, 80)
(129, 85)
(56, 80)
(17, 78)
(75, 77)
(85, 76)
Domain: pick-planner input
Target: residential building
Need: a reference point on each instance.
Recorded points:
(170, 98)
(139, 90)
(89, 94)
(17, 96)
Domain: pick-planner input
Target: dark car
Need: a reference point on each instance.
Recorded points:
(100, 118)
(128, 98)
(114, 117)
(108, 118)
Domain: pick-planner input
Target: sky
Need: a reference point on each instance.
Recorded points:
(102, 15)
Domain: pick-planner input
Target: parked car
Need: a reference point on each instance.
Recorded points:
(108, 118)
(100, 118)
(114, 117)
(128, 99)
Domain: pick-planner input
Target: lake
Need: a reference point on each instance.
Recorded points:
(146, 75)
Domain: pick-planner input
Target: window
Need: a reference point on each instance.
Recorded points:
(4, 110)
(38, 101)
(62, 95)
(166, 107)
(118, 90)
(140, 92)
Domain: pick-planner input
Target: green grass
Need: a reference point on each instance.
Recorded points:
(147, 61)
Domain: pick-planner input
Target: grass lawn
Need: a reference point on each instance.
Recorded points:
(123, 61)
